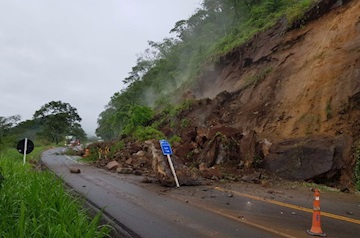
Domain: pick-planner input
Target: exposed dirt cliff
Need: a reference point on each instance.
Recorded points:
(297, 87)
(297, 83)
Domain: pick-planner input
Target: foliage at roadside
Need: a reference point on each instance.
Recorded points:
(129, 119)
(147, 133)
(357, 165)
(35, 204)
(166, 69)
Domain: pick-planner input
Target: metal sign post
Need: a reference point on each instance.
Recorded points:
(166, 149)
(173, 171)
(25, 150)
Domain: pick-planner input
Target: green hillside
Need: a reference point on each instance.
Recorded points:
(165, 70)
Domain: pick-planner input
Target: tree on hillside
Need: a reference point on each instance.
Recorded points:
(77, 131)
(58, 119)
(26, 129)
(150, 58)
(122, 118)
(6, 123)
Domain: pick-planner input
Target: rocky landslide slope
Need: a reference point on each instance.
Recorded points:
(287, 102)
(293, 96)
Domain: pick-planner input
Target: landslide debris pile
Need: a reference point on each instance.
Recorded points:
(287, 101)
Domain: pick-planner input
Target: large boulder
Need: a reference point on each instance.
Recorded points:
(161, 168)
(247, 146)
(315, 157)
(221, 147)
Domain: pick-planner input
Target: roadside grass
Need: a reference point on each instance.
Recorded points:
(321, 187)
(357, 165)
(36, 204)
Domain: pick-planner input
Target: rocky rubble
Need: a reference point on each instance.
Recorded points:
(313, 158)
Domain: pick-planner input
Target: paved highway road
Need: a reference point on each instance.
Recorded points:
(149, 210)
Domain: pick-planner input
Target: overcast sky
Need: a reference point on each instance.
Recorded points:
(76, 51)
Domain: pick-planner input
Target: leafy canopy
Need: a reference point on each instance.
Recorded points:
(58, 119)
(6, 126)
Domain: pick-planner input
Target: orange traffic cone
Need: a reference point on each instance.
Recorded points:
(316, 226)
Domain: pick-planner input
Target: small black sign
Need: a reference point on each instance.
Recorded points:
(21, 146)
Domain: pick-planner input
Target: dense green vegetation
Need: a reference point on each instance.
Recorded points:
(166, 69)
(50, 124)
(357, 165)
(6, 126)
(35, 203)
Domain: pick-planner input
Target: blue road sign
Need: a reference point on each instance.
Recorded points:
(165, 147)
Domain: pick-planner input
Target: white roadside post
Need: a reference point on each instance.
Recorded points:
(25, 150)
(166, 149)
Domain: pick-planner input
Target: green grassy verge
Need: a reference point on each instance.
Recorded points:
(357, 165)
(36, 204)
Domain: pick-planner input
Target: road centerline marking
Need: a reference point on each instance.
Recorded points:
(72, 159)
(283, 204)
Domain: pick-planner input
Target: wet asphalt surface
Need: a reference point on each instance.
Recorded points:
(225, 210)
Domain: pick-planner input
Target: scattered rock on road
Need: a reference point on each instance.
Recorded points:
(112, 165)
(74, 170)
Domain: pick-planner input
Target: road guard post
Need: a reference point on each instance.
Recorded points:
(166, 149)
